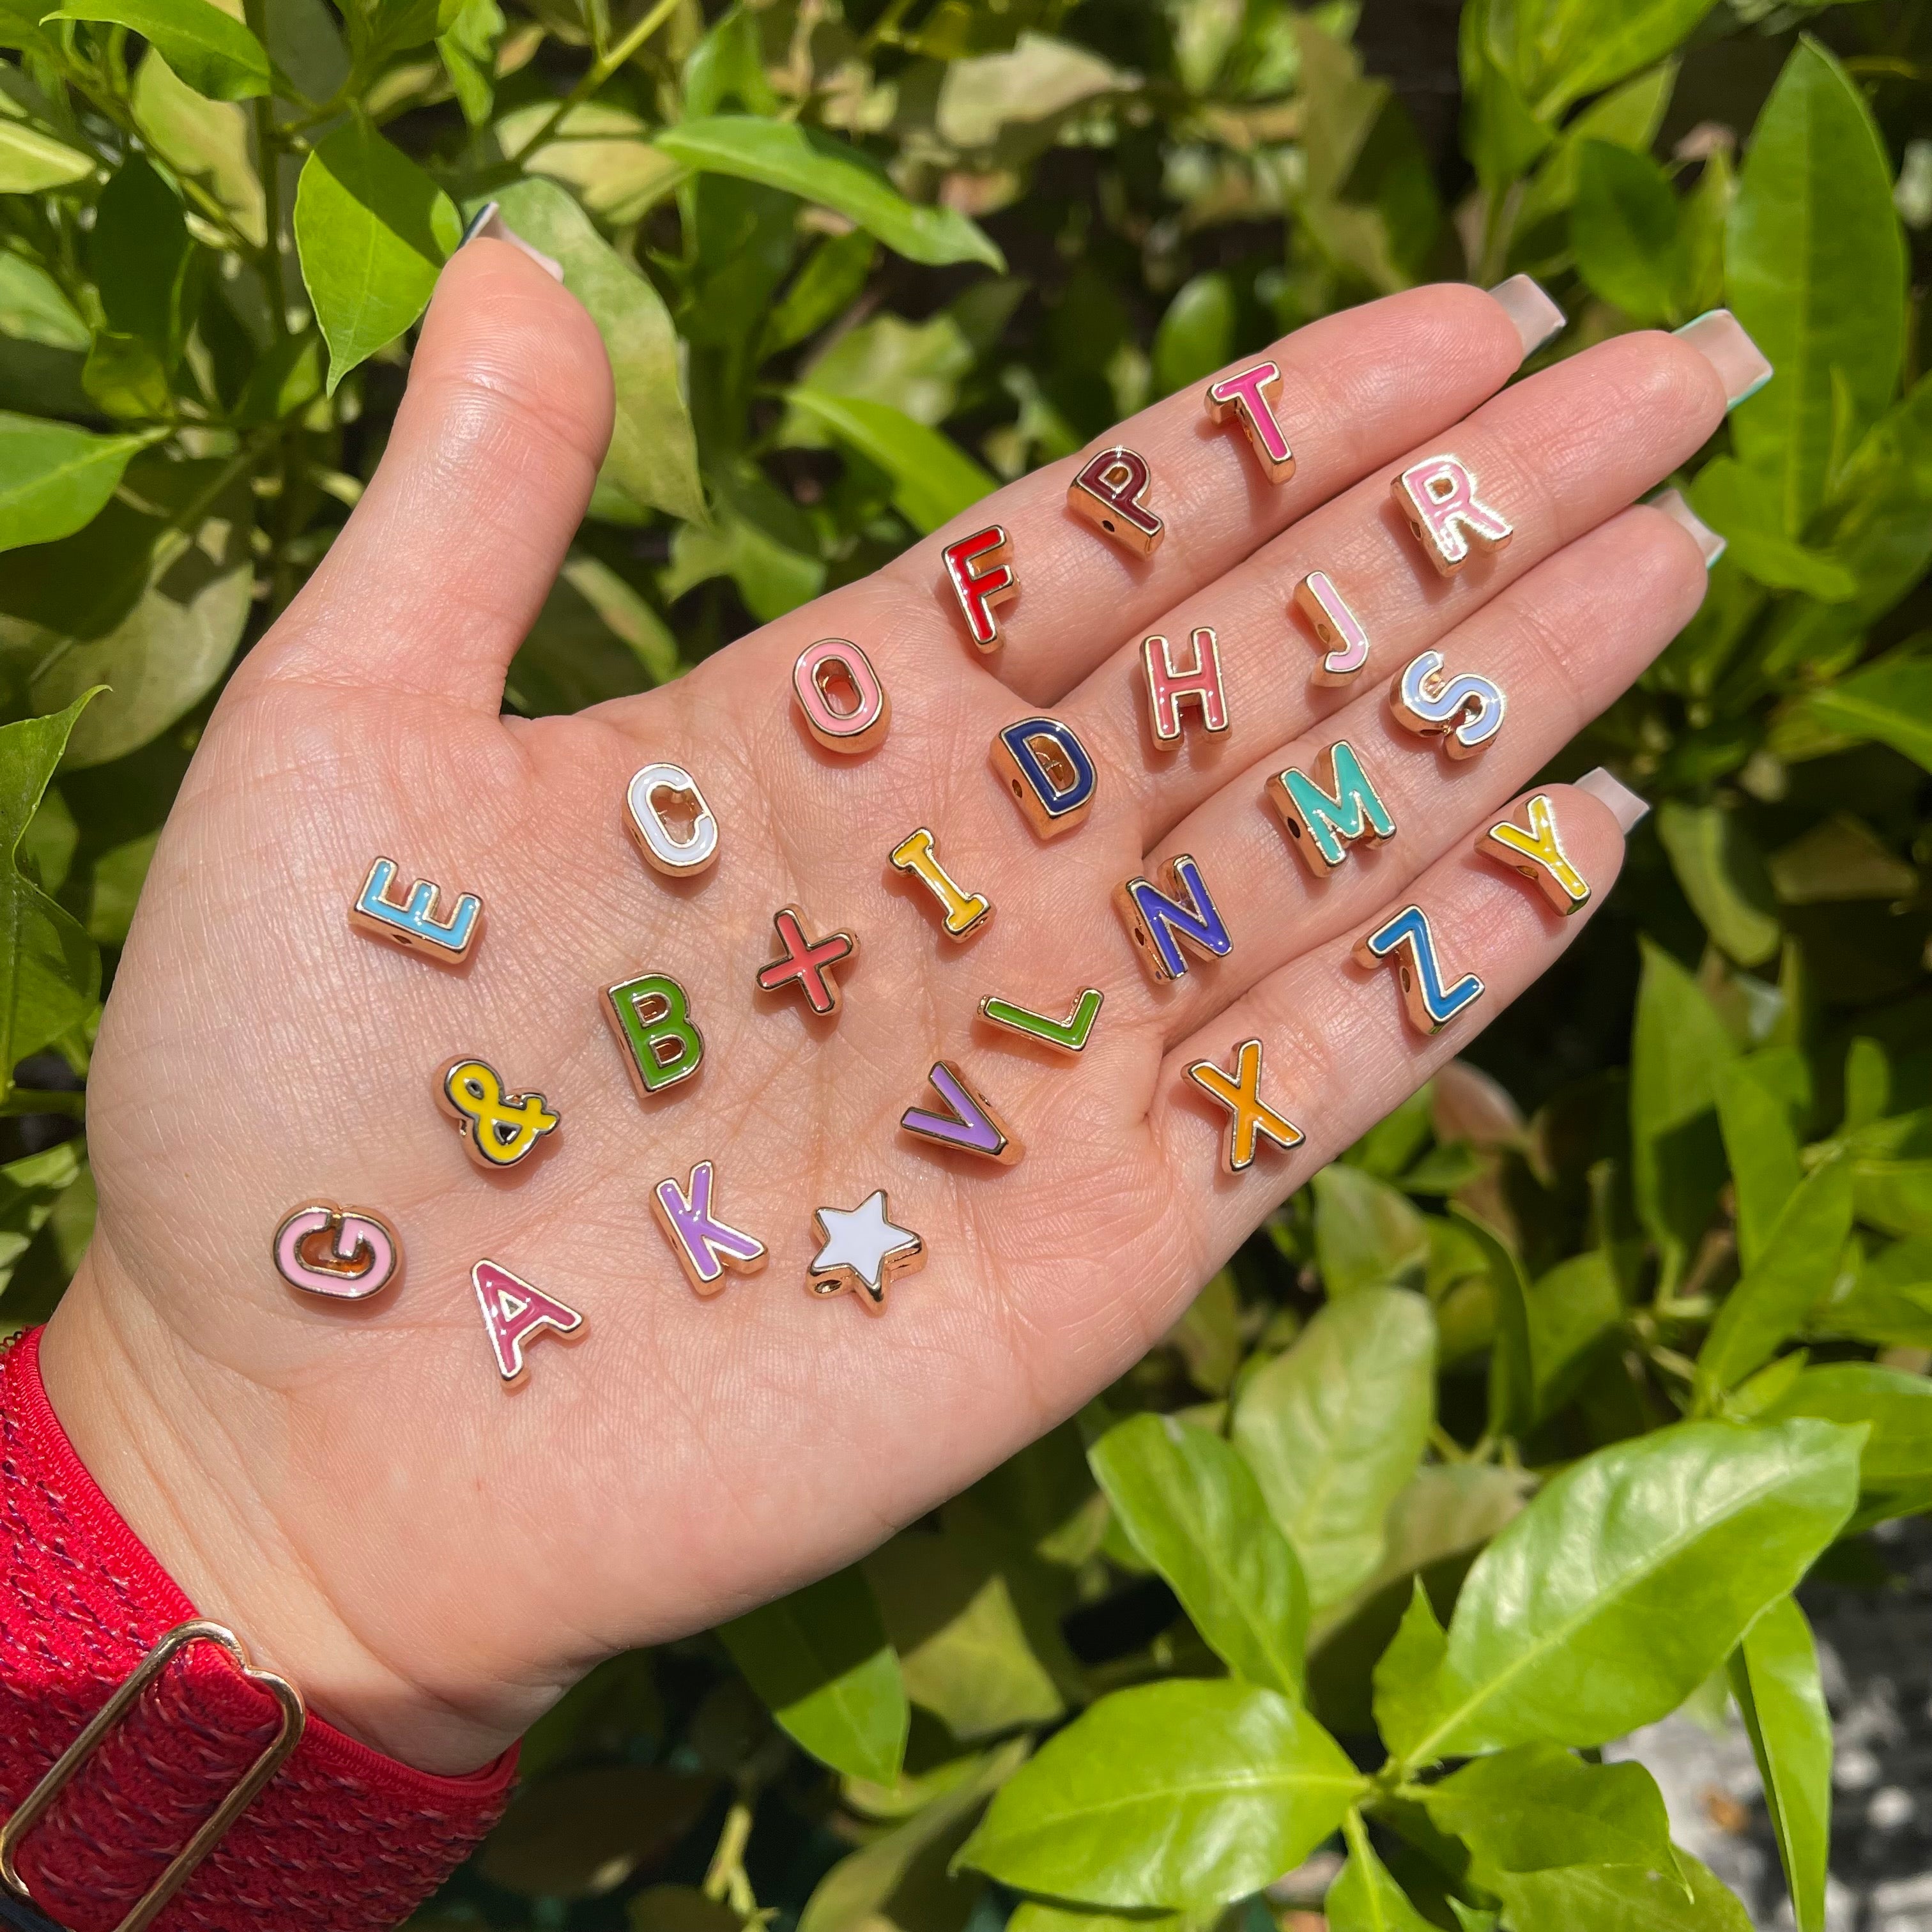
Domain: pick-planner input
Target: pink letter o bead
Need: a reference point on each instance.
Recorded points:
(853, 732)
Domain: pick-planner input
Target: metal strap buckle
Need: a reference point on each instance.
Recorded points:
(34, 1807)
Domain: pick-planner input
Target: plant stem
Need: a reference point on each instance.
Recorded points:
(599, 71)
(268, 165)
(725, 1881)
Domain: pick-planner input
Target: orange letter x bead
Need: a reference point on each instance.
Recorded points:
(809, 963)
(1240, 1094)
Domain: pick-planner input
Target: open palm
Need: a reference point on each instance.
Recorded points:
(436, 1556)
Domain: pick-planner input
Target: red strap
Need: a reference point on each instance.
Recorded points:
(344, 1839)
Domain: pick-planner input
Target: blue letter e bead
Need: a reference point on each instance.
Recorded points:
(1049, 772)
(1406, 943)
(1158, 920)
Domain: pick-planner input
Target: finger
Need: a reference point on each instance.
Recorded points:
(1556, 454)
(1338, 1051)
(442, 569)
(1561, 645)
(1357, 388)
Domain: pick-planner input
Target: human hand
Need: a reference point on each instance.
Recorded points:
(434, 1558)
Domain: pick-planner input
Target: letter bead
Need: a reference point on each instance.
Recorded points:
(1250, 1116)
(863, 1251)
(1406, 942)
(1317, 600)
(1170, 685)
(1324, 819)
(1538, 855)
(515, 1313)
(980, 569)
(1437, 496)
(413, 925)
(837, 661)
(360, 1256)
(498, 1129)
(964, 913)
(1158, 920)
(1109, 494)
(1049, 772)
(1465, 712)
(1249, 394)
(652, 832)
(651, 1017)
(1067, 1036)
(704, 1246)
(809, 962)
(970, 1125)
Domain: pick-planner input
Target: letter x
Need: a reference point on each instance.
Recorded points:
(808, 962)
(1241, 1095)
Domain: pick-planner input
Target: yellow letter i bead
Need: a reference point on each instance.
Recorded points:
(965, 912)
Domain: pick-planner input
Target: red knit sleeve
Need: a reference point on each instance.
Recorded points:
(343, 1839)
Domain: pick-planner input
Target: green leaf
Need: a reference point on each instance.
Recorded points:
(139, 252)
(1407, 1674)
(1795, 1272)
(34, 309)
(1743, 506)
(1724, 877)
(1624, 226)
(30, 161)
(1181, 1794)
(829, 283)
(54, 478)
(50, 971)
(1890, 701)
(1898, 1405)
(1571, 1313)
(1512, 1367)
(728, 65)
(1815, 269)
(1537, 1806)
(602, 153)
(859, 1891)
(1558, 51)
(1367, 1234)
(1196, 335)
(1047, 1914)
(1761, 1143)
(1677, 1158)
(1774, 1676)
(1621, 1898)
(1364, 1898)
(915, 367)
(374, 232)
(1194, 1510)
(1628, 1580)
(933, 479)
(816, 167)
(1629, 116)
(653, 456)
(210, 49)
(1335, 1427)
(820, 1660)
(202, 140)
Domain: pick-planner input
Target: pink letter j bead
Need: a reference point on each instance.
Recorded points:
(835, 664)
(704, 1246)
(1317, 600)
(1109, 494)
(980, 569)
(1249, 394)
(1437, 496)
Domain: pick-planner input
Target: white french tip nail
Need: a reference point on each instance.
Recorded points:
(1537, 319)
(1625, 806)
(1673, 505)
(1720, 338)
(488, 222)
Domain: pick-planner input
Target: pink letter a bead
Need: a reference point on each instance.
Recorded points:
(515, 1313)
(705, 1246)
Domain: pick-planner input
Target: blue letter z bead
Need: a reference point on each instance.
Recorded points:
(1158, 922)
(1406, 943)
(1048, 771)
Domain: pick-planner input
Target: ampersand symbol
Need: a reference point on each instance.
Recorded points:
(499, 1128)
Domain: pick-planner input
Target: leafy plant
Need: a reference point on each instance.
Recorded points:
(1520, 1426)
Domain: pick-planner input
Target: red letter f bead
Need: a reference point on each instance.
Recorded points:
(1246, 393)
(981, 571)
(809, 963)
(1170, 685)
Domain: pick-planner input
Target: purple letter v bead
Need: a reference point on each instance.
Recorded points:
(971, 1125)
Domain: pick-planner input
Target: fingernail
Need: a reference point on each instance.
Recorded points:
(1719, 338)
(1672, 504)
(1625, 806)
(1537, 319)
(488, 221)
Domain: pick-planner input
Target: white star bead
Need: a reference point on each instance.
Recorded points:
(863, 1250)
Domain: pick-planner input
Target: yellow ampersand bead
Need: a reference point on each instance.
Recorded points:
(499, 1128)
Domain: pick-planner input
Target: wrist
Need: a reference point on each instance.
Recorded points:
(194, 1459)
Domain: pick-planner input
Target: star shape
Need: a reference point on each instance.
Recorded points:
(863, 1250)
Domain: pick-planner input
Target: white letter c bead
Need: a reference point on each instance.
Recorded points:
(655, 838)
